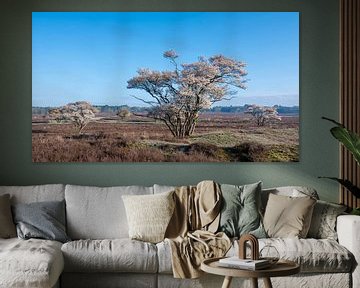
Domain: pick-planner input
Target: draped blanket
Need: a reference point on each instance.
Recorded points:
(191, 231)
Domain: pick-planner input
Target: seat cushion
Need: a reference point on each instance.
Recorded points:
(98, 213)
(30, 263)
(313, 255)
(117, 255)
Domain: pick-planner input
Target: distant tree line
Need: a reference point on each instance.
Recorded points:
(282, 110)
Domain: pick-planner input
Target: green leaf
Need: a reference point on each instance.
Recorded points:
(348, 138)
(355, 211)
(347, 184)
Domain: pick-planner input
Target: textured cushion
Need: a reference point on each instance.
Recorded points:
(36, 193)
(313, 255)
(7, 227)
(287, 216)
(240, 210)
(149, 215)
(31, 263)
(44, 220)
(117, 255)
(98, 213)
(323, 222)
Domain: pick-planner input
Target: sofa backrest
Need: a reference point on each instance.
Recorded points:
(163, 188)
(35, 193)
(98, 212)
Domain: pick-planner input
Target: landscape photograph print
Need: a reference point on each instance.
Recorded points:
(165, 87)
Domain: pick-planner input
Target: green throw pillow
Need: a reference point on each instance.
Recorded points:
(240, 213)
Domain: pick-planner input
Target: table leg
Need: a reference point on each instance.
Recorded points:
(254, 282)
(267, 283)
(227, 282)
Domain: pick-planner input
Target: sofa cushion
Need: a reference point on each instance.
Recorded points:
(7, 226)
(30, 263)
(291, 191)
(287, 216)
(117, 255)
(163, 188)
(323, 222)
(149, 215)
(36, 193)
(313, 255)
(98, 213)
(43, 220)
(240, 210)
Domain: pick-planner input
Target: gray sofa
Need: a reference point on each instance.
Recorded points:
(101, 254)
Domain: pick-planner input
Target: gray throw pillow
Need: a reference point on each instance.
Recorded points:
(44, 220)
(240, 213)
(323, 222)
(7, 227)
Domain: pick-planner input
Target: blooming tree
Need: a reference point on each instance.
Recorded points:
(79, 113)
(263, 114)
(178, 96)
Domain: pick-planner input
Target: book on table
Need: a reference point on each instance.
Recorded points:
(236, 262)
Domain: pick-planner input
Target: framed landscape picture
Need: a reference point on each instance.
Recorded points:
(165, 86)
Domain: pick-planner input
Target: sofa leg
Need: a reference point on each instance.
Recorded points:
(267, 282)
(227, 282)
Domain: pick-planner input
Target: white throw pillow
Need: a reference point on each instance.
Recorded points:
(149, 215)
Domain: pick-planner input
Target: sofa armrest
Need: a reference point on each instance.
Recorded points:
(348, 230)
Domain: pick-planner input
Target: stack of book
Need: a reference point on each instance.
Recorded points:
(248, 264)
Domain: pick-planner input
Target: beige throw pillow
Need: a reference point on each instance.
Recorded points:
(7, 226)
(149, 215)
(288, 217)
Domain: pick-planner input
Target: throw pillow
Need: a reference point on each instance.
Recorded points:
(43, 220)
(288, 217)
(7, 227)
(323, 222)
(240, 213)
(149, 215)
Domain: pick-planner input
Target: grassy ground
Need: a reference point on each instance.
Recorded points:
(219, 137)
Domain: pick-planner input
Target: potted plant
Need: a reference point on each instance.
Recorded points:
(351, 141)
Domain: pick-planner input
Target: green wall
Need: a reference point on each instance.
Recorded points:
(318, 96)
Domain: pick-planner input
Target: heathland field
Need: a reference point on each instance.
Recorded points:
(218, 137)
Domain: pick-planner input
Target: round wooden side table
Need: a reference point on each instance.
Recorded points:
(281, 268)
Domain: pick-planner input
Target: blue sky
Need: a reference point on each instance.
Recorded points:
(91, 55)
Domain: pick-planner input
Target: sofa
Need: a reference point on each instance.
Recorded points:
(100, 253)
